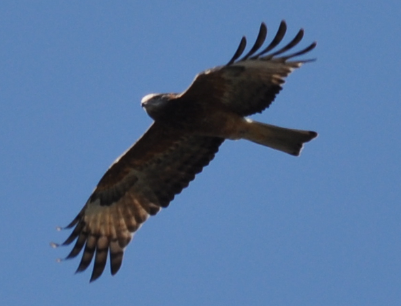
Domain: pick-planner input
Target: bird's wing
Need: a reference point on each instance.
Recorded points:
(249, 84)
(144, 179)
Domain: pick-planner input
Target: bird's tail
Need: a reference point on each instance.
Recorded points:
(286, 140)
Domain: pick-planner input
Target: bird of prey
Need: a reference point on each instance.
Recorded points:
(187, 131)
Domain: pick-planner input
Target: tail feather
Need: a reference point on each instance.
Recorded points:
(286, 140)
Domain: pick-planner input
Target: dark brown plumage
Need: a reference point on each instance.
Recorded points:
(186, 134)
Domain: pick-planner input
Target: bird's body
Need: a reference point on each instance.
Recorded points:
(187, 131)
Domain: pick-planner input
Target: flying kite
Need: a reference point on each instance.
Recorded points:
(187, 131)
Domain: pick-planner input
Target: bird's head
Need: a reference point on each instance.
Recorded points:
(155, 104)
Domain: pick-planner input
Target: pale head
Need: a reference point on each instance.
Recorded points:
(154, 104)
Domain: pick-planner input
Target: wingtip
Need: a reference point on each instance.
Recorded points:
(79, 270)
(93, 278)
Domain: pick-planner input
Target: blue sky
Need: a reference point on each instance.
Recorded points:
(256, 227)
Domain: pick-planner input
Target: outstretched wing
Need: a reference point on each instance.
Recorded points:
(142, 181)
(250, 84)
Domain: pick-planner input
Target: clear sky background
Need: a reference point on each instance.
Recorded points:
(257, 227)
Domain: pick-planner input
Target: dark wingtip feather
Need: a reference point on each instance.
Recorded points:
(116, 256)
(100, 258)
(78, 246)
(88, 254)
(274, 43)
(258, 43)
(303, 51)
(73, 222)
(290, 45)
(239, 51)
(77, 230)
(282, 29)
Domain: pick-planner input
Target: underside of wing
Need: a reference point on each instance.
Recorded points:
(141, 182)
(249, 84)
